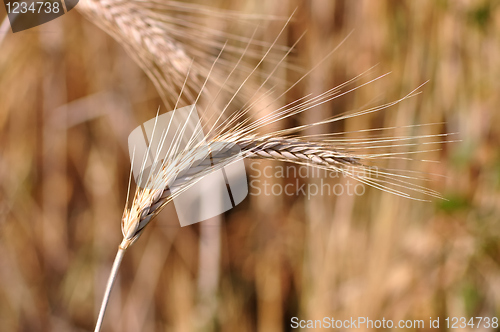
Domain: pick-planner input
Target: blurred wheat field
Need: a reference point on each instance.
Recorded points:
(70, 95)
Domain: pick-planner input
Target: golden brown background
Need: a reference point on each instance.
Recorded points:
(70, 95)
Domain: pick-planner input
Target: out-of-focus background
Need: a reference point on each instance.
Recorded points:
(70, 95)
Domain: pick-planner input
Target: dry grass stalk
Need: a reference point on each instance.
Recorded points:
(332, 156)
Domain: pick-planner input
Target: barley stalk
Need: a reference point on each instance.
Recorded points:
(146, 31)
(331, 156)
(179, 167)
